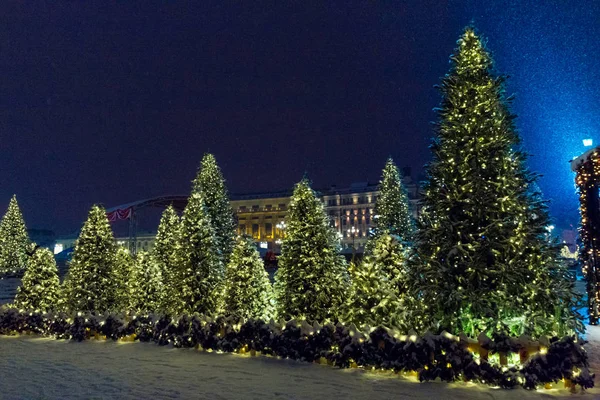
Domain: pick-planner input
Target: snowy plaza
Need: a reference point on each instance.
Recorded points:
(42, 368)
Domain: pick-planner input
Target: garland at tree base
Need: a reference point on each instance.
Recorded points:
(431, 356)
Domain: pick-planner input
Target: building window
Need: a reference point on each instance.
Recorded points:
(268, 207)
(282, 206)
(255, 208)
(255, 233)
(242, 209)
(242, 229)
(269, 230)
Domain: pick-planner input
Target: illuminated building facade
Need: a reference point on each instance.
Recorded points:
(350, 210)
(262, 217)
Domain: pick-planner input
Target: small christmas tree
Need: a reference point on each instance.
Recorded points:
(200, 271)
(211, 184)
(14, 241)
(124, 269)
(391, 256)
(248, 292)
(391, 208)
(163, 253)
(484, 262)
(312, 281)
(147, 286)
(40, 287)
(90, 286)
(372, 300)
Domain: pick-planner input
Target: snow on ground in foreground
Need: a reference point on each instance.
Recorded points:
(41, 368)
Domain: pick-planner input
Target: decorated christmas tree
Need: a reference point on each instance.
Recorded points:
(391, 208)
(391, 256)
(372, 300)
(40, 287)
(312, 281)
(200, 271)
(91, 280)
(14, 241)
(163, 253)
(211, 184)
(248, 292)
(124, 268)
(484, 262)
(147, 286)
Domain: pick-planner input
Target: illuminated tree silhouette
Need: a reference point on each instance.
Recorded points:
(248, 292)
(91, 282)
(391, 208)
(163, 253)
(200, 270)
(14, 241)
(211, 184)
(40, 287)
(484, 262)
(312, 280)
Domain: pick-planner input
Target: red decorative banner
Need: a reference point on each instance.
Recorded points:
(119, 214)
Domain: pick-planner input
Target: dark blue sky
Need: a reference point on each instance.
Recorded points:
(113, 102)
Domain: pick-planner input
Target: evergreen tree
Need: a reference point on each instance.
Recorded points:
(391, 208)
(312, 280)
(91, 283)
(211, 184)
(391, 256)
(200, 271)
(14, 241)
(372, 300)
(147, 286)
(248, 292)
(124, 270)
(164, 252)
(484, 263)
(40, 287)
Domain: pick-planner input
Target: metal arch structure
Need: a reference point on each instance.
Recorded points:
(129, 212)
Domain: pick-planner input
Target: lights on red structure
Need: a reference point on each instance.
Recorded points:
(587, 169)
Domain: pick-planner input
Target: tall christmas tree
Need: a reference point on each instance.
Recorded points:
(124, 269)
(248, 292)
(484, 262)
(312, 280)
(200, 270)
(91, 281)
(14, 241)
(163, 253)
(211, 184)
(40, 287)
(391, 208)
(147, 286)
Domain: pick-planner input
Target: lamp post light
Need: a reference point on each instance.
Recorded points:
(281, 232)
(353, 231)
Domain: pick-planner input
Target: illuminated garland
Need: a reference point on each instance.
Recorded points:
(587, 180)
(500, 362)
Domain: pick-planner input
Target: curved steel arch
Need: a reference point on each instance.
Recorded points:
(129, 211)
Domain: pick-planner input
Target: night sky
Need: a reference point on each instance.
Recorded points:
(112, 102)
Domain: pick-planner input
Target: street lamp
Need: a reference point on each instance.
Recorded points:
(353, 231)
(281, 228)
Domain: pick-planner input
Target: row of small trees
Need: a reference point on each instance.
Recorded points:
(478, 261)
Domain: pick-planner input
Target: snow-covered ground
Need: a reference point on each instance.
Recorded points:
(41, 368)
